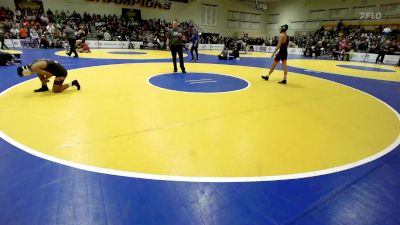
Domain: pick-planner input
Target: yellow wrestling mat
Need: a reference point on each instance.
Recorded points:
(12, 52)
(355, 69)
(249, 54)
(123, 54)
(119, 121)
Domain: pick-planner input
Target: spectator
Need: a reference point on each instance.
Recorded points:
(44, 42)
(392, 47)
(49, 13)
(81, 34)
(23, 33)
(14, 32)
(18, 14)
(107, 36)
(386, 32)
(2, 36)
(34, 34)
(44, 20)
(3, 14)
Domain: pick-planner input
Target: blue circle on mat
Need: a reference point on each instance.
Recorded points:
(199, 82)
(128, 53)
(365, 68)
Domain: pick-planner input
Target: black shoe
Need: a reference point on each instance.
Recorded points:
(282, 82)
(42, 89)
(183, 71)
(265, 77)
(76, 83)
(76, 56)
(192, 59)
(175, 70)
(196, 60)
(68, 54)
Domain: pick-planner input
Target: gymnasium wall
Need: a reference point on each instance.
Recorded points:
(7, 3)
(181, 11)
(309, 15)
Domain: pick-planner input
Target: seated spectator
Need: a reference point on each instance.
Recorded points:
(81, 34)
(44, 20)
(392, 47)
(372, 47)
(107, 36)
(363, 46)
(317, 49)
(308, 51)
(44, 42)
(225, 55)
(14, 32)
(336, 53)
(23, 33)
(58, 43)
(34, 35)
(3, 14)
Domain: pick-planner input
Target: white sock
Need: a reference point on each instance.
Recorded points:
(70, 84)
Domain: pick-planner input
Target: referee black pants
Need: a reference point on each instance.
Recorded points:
(72, 43)
(177, 49)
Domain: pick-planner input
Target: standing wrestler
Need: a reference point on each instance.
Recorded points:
(282, 54)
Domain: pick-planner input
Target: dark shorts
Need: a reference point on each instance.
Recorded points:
(58, 71)
(281, 56)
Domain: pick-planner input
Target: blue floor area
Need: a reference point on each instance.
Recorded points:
(365, 68)
(35, 191)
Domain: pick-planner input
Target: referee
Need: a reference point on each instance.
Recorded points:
(175, 43)
(70, 35)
